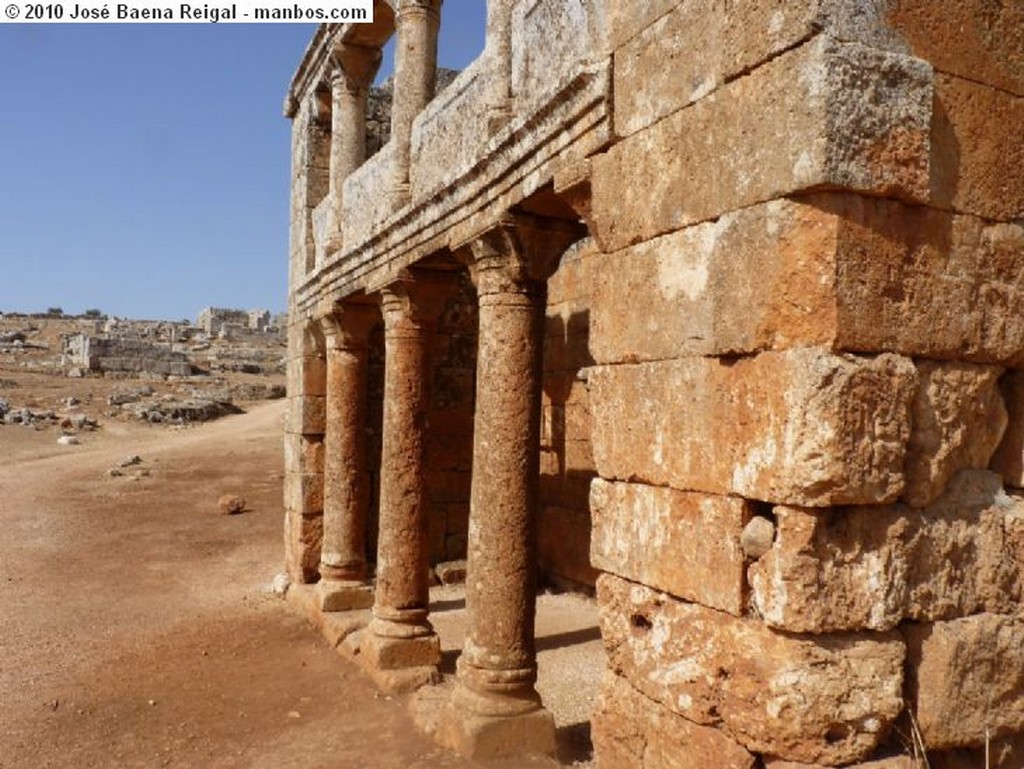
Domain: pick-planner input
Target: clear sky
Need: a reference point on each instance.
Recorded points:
(144, 167)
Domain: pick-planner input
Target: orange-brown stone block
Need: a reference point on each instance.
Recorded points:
(631, 731)
(977, 39)
(796, 123)
(804, 698)
(959, 419)
(798, 427)
(696, 539)
(966, 678)
(1009, 457)
(872, 567)
(977, 149)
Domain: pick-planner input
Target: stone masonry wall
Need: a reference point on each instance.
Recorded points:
(807, 411)
(567, 463)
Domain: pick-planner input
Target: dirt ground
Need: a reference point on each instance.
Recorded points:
(140, 629)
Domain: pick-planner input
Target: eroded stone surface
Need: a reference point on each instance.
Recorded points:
(631, 731)
(959, 419)
(828, 699)
(799, 427)
(872, 567)
(793, 124)
(967, 675)
(696, 537)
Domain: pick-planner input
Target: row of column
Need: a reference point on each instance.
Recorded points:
(353, 68)
(495, 708)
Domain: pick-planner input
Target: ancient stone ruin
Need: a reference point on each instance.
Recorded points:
(717, 306)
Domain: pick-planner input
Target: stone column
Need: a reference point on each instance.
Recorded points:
(495, 709)
(417, 23)
(354, 70)
(400, 649)
(499, 43)
(344, 571)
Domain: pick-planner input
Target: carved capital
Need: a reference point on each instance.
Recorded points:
(415, 300)
(429, 8)
(347, 325)
(520, 252)
(354, 68)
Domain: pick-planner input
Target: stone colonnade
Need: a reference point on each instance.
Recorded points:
(495, 708)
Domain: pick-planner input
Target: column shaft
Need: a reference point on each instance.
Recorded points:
(417, 23)
(343, 564)
(400, 649)
(355, 68)
(499, 44)
(495, 709)
(402, 590)
(498, 657)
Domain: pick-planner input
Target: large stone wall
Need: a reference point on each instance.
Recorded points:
(806, 419)
(781, 410)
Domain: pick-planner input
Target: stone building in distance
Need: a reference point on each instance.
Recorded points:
(714, 306)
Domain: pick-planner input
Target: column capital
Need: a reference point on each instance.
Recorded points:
(355, 67)
(519, 250)
(407, 7)
(415, 299)
(347, 325)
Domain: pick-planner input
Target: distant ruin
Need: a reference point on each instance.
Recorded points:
(715, 307)
(103, 354)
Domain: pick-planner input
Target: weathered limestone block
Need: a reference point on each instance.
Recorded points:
(302, 453)
(800, 427)
(683, 543)
(927, 283)
(450, 135)
(1008, 460)
(976, 39)
(551, 40)
(847, 271)
(814, 699)
(775, 260)
(872, 567)
(977, 149)
(698, 46)
(959, 418)
(306, 376)
(304, 491)
(306, 415)
(303, 535)
(896, 762)
(967, 676)
(800, 121)
(631, 731)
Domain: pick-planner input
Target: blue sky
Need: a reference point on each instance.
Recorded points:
(144, 167)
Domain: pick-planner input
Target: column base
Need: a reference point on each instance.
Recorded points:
(337, 595)
(485, 737)
(400, 665)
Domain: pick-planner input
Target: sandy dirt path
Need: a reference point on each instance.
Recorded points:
(138, 628)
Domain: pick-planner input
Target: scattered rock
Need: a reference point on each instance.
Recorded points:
(757, 537)
(230, 504)
(75, 373)
(68, 440)
(135, 459)
(280, 584)
(71, 401)
(115, 472)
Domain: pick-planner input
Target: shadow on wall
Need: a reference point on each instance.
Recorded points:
(567, 464)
